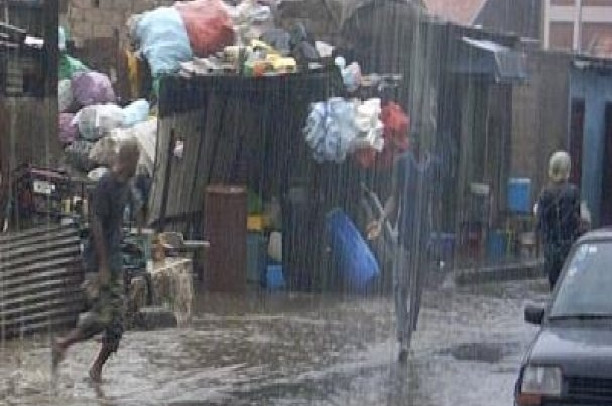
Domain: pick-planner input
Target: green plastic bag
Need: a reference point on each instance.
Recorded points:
(69, 66)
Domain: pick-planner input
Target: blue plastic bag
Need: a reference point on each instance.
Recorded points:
(163, 40)
(135, 113)
(356, 262)
(330, 129)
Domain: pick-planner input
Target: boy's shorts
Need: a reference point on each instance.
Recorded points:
(106, 310)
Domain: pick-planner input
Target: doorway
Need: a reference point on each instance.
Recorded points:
(606, 186)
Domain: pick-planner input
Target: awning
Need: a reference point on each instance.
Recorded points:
(487, 58)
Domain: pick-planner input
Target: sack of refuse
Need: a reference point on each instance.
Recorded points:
(252, 19)
(163, 40)
(65, 98)
(68, 131)
(98, 121)
(303, 45)
(351, 74)
(330, 129)
(104, 152)
(92, 88)
(136, 112)
(369, 126)
(145, 134)
(278, 39)
(77, 154)
(208, 24)
(69, 67)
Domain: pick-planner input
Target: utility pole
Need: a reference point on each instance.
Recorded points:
(546, 24)
(6, 10)
(578, 27)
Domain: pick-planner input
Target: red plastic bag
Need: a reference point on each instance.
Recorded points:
(396, 122)
(396, 125)
(208, 25)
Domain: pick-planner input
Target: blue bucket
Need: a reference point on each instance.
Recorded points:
(275, 279)
(519, 193)
(496, 245)
(356, 262)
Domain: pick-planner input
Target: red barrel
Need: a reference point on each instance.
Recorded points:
(225, 219)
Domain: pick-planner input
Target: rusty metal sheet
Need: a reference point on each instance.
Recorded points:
(40, 278)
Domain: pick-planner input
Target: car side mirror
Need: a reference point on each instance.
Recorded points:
(534, 314)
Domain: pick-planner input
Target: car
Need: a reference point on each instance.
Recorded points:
(569, 362)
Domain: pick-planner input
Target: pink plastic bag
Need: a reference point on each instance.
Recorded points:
(208, 25)
(92, 88)
(68, 132)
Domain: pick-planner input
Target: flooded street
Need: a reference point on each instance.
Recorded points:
(293, 349)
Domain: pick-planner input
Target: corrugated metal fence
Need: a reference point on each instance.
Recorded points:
(40, 278)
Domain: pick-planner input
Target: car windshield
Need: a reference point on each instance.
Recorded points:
(586, 287)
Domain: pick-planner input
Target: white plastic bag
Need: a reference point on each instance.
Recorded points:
(65, 97)
(98, 121)
(135, 113)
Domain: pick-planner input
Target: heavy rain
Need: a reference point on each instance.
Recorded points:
(305, 202)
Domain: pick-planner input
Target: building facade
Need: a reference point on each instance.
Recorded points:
(581, 26)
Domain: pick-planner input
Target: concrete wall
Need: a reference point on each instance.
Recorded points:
(540, 116)
(94, 19)
(595, 87)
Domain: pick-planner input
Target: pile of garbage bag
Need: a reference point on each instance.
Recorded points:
(162, 39)
(91, 124)
(167, 36)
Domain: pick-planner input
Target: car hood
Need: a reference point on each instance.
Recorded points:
(578, 351)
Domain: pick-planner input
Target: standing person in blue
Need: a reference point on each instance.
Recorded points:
(410, 204)
(104, 263)
(558, 215)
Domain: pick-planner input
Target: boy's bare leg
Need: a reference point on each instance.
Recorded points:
(59, 346)
(95, 373)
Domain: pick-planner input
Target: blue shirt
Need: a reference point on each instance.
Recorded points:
(415, 185)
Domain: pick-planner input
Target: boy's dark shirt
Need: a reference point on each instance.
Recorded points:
(108, 203)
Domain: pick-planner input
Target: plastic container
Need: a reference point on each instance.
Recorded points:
(257, 222)
(256, 257)
(355, 260)
(275, 279)
(519, 192)
(496, 245)
(275, 247)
